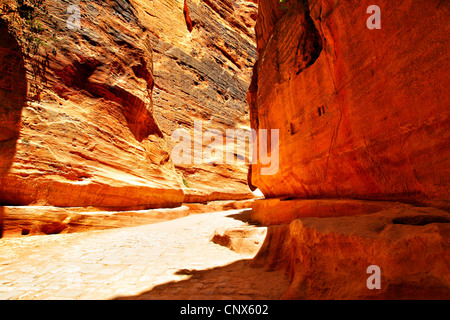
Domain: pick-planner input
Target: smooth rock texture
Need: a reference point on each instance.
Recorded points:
(284, 211)
(362, 113)
(87, 114)
(220, 205)
(327, 258)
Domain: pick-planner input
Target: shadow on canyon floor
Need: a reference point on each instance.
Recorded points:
(240, 280)
(13, 93)
(235, 281)
(245, 216)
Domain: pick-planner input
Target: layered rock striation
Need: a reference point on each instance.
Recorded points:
(330, 257)
(203, 58)
(89, 99)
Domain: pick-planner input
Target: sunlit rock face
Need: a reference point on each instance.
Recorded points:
(90, 108)
(203, 57)
(362, 113)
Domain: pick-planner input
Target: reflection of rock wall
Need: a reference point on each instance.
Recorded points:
(89, 134)
(362, 113)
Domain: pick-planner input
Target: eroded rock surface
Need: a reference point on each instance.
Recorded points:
(41, 220)
(364, 111)
(243, 240)
(362, 114)
(203, 58)
(89, 111)
(327, 258)
(45, 220)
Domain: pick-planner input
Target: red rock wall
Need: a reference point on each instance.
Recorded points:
(87, 114)
(362, 113)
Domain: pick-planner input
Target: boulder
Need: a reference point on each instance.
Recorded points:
(329, 258)
(244, 240)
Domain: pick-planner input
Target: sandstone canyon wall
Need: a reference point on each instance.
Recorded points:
(204, 57)
(87, 112)
(363, 116)
(366, 112)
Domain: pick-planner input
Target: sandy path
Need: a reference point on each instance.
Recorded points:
(168, 260)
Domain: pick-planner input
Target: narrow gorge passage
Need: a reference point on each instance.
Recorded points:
(168, 260)
(136, 135)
